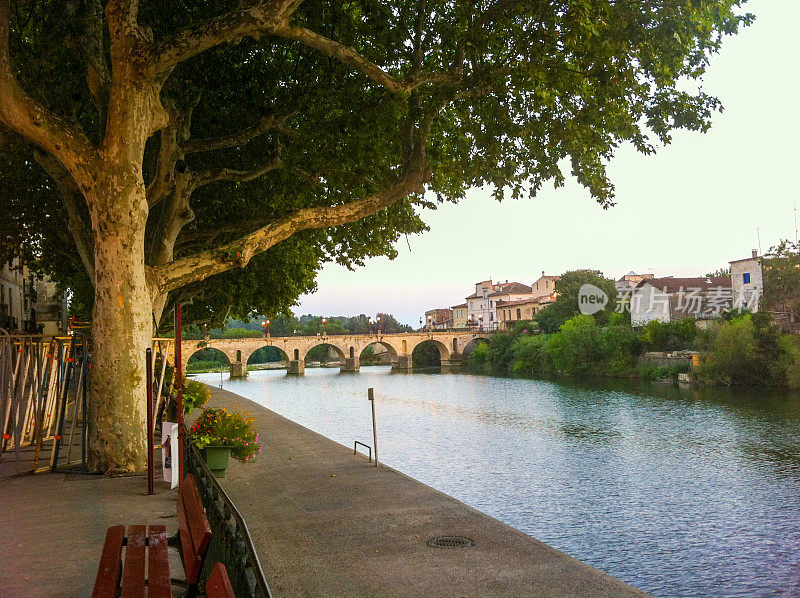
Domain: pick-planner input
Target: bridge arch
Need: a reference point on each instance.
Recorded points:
(472, 343)
(205, 354)
(268, 352)
(444, 352)
(392, 350)
(339, 351)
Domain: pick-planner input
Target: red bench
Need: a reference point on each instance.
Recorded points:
(218, 584)
(193, 538)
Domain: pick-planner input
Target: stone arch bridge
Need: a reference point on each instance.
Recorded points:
(400, 346)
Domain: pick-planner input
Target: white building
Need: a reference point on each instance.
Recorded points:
(668, 299)
(747, 282)
(12, 296)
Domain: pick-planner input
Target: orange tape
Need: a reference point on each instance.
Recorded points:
(57, 437)
(6, 436)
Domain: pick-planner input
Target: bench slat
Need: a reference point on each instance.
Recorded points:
(158, 563)
(191, 561)
(133, 574)
(219, 584)
(105, 584)
(196, 515)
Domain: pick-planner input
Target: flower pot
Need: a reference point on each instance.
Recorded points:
(216, 457)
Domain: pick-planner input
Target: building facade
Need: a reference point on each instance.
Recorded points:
(747, 282)
(28, 304)
(511, 312)
(459, 315)
(438, 319)
(668, 299)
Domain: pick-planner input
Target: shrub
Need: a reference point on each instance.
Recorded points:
(219, 427)
(669, 336)
(530, 357)
(479, 357)
(195, 394)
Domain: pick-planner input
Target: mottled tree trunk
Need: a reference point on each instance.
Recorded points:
(121, 327)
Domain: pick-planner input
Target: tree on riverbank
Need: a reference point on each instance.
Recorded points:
(565, 307)
(183, 142)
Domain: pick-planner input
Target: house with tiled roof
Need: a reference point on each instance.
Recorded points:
(670, 298)
(459, 315)
(482, 304)
(511, 312)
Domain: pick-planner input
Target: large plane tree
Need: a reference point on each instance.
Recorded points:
(182, 141)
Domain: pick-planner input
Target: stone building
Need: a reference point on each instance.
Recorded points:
(668, 299)
(511, 312)
(459, 315)
(29, 304)
(438, 319)
(747, 282)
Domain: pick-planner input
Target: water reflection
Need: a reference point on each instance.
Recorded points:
(681, 493)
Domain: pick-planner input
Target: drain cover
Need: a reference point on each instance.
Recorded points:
(450, 542)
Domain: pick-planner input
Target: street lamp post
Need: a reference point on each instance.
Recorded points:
(430, 323)
(205, 331)
(379, 325)
(268, 332)
(370, 326)
(480, 322)
(264, 328)
(324, 321)
(420, 325)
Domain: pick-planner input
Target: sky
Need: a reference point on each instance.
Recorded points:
(696, 204)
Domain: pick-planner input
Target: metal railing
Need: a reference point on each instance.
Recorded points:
(366, 446)
(230, 539)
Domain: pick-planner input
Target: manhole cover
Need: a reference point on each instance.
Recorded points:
(450, 542)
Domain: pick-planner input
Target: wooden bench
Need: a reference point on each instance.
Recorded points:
(193, 538)
(218, 584)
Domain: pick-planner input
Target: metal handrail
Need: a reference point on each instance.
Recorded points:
(366, 446)
(231, 543)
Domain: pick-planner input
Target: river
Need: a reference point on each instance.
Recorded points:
(678, 492)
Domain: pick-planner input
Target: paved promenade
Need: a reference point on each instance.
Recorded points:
(325, 522)
(54, 525)
(328, 523)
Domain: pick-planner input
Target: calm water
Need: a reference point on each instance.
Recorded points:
(679, 493)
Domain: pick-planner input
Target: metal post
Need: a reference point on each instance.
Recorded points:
(85, 365)
(371, 397)
(148, 359)
(179, 382)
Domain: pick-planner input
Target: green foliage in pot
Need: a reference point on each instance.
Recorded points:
(195, 395)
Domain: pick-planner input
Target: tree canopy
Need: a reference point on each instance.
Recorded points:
(264, 120)
(179, 142)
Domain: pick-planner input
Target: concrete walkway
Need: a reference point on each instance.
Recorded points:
(54, 525)
(327, 523)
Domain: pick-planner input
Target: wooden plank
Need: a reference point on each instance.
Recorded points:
(191, 561)
(134, 574)
(158, 563)
(219, 584)
(107, 580)
(196, 516)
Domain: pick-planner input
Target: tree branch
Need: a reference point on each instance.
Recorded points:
(267, 123)
(35, 122)
(238, 253)
(237, 176)
(78, 226)
(253, 20)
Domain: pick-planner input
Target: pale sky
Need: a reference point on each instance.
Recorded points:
(687, 210)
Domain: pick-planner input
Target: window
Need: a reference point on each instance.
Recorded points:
(519, 314)
(746, 277)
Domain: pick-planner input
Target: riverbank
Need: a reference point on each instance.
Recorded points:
(327, 523)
